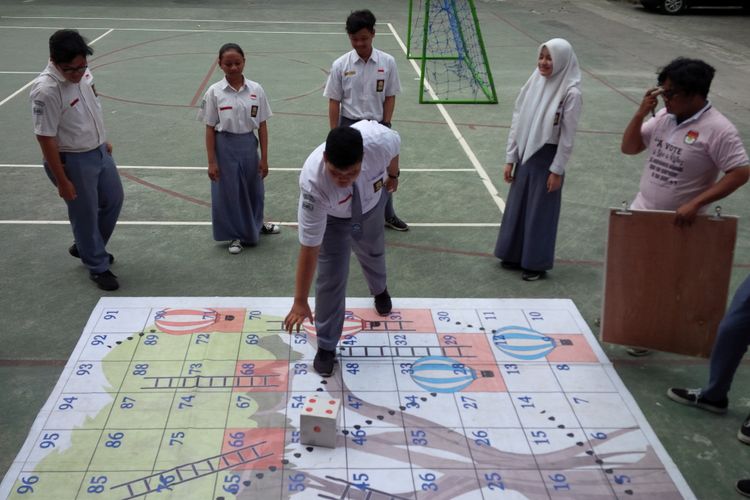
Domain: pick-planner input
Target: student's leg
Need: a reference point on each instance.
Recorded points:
(110, 195)
(370, 249)
(330, 286)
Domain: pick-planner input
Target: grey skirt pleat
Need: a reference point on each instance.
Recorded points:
(529, 227)
(237, 197)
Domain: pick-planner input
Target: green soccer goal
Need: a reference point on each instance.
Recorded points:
(445, 36)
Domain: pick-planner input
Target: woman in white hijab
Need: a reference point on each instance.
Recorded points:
(540, 143)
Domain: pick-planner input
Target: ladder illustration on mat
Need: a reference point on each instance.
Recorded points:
(212, 382)
(369, 493)
(170, 478)
(386, 351)
(390, 325)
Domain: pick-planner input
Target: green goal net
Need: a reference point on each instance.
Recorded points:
(445, 36)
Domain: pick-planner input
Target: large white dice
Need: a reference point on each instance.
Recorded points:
(318, 420)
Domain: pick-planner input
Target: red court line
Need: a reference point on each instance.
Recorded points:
(202, 87)
(165, 190)
(138, 45)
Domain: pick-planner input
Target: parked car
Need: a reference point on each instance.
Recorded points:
(678, 6)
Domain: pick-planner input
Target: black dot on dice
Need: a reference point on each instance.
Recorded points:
(380, 417)
(247, 482)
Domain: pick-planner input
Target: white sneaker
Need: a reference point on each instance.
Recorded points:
(268, 228)
(235, 247)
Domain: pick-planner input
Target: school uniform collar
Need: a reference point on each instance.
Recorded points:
(693, 118)
(374, 57)
(227, 86)
(55, 73)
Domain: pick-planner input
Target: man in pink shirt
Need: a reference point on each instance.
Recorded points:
(689, 144)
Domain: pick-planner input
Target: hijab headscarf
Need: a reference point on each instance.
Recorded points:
(540, 97)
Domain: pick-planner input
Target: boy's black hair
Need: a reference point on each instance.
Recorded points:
(359, 19)
(691, 76)
(230, 46)
(66, 45)
(344, 147)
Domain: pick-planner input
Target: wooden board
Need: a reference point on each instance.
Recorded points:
(665, 287)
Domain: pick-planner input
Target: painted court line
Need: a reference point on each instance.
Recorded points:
(273, 169)
(185, 20)
(164, 30)
(457, 134)
(14, 94)
(19, 72)
(208, 223)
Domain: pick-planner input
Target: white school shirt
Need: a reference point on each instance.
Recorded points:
(361, 86)
(563, 132)
(235, 111)
(70, 112)
(321, 197)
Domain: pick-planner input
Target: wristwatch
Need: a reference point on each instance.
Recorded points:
(394, 176)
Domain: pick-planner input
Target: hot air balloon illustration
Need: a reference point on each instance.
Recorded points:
(523, 343)
(185, 321)
(442, 374)
(352, 326)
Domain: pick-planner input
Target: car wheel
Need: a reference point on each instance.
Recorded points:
(673, 6)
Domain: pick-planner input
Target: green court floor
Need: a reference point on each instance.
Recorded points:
(152, 63)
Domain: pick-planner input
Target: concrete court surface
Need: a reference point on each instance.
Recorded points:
(45, 297)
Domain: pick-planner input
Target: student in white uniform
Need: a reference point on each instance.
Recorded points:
(342, 199)
(78, 159)
(362, 85)
(232, 110)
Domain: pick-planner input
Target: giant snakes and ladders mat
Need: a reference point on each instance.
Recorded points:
(181, 398)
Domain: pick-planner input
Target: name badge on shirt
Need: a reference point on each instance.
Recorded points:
(377, 186)
(254, 111)
(380, 85)
(350, 73)
(691, 137)
(557, 119)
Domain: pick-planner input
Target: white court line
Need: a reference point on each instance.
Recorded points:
(14, 94)
(278, 169)
(456, 133)
(174, 30)
(208, 223)
(168, 20)
(19, 72)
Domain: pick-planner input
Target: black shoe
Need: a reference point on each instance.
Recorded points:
(533, 275)
(692, 397)
(106, 280)
(743, 487)
(73, 250)
(396, 223)
(383, 304)
(638, 352)
(744, 433)
(505, 264)
(324, 362)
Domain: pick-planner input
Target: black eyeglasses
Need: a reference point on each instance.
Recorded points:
(77, 69)
(670, 93)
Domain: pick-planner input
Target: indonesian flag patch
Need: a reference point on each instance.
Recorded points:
(691, 137)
